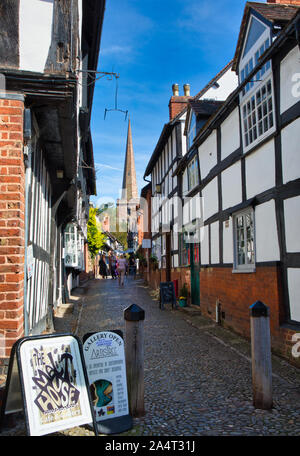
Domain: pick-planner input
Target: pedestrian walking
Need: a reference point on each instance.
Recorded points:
(103, 267)
(121, 268)
(132, 266)
(113, 266)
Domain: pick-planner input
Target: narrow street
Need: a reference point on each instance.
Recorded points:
(197, 375)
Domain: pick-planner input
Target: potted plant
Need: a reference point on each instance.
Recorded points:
(154, 261)
(183, 294)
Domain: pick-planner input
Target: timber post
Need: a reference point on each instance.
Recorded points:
(134, 351)
(261, 356)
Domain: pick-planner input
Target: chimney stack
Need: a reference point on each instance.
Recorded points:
(175, 89)
(178, 103)
(186, 89)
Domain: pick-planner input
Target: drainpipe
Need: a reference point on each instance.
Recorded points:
(28, 155)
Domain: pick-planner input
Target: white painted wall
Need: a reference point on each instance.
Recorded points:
(290, 80)
(214, 243)
(175, 261)
(266, 237)
(205, 247)
(210, 198)
(292, 224)
(290, 151)
(185, 182)
(227, 242)
(208, 154)
(294, 292)
(230, 134)
(260, 170)
(228, 83)
(35, 31)
(232, 186)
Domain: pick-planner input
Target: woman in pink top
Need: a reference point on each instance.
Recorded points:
(121, 266)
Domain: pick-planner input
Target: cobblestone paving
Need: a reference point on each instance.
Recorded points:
(197, 375)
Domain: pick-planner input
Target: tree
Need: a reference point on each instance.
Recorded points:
(96, 239)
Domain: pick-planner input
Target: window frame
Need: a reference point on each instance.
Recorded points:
(251, 56)
(195, 172)
(245, 267)
(244, 106)
(192, 130)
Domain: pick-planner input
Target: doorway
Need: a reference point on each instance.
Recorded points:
(195, 273)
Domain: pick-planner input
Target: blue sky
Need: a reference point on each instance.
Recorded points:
(153, 44)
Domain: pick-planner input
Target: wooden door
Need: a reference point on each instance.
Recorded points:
(195, 274)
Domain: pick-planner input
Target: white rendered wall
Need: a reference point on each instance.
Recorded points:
(205, 247)
(232, 186)
(174, 143)
(266, 237)
(228, 83)
(210, 198)
(292, 224)
(260, 170)
(214, 243)
(290, 80)
(227, 242)
(290, 151)
(35, 31)
(185, 182)
(208, 154)
(294, 293)
(230, 134)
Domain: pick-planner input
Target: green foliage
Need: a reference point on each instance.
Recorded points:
(122, 237)
(96, 239)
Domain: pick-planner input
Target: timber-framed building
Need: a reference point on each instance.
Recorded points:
(48, 55)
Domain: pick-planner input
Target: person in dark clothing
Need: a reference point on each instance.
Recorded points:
(103, 267)
(132, 266)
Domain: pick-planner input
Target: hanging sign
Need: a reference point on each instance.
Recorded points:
(106, 368)
(48, 380)
(146, 244)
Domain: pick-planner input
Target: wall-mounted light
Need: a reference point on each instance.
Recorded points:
(59, 174)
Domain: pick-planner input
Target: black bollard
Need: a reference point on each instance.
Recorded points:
(261, 356)
(134, 351)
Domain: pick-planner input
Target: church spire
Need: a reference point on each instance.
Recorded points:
(129, 187)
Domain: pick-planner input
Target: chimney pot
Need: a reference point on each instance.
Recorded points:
(175, 88)
(186, 89)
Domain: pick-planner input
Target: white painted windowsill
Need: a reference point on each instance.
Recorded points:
(243, 271)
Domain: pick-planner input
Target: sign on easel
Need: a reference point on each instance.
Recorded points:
(106, 368)
(47, 379)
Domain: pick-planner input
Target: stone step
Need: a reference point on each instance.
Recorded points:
(191, 310)
(64, 309)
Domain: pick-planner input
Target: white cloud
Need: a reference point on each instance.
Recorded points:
(102, 165)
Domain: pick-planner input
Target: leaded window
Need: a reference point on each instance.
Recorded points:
(70, 246)
(244, 255)
(258, 114)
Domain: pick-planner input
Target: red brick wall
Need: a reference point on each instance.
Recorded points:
(12, 222)
(236, 292)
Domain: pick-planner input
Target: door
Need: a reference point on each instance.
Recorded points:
(195, 274)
